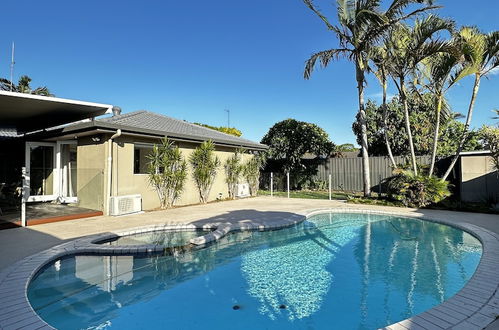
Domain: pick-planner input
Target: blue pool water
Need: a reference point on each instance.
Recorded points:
(334, 271)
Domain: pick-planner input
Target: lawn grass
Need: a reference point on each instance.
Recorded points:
(310, 194)
(356, 198)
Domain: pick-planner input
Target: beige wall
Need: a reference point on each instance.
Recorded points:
(91, 158)
(125, 182)
(479, 180)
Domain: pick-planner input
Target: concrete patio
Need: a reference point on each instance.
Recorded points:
(19, 243)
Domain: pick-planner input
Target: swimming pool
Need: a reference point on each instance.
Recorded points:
(345, 271)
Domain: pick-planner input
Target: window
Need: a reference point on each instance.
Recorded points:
(140, 158)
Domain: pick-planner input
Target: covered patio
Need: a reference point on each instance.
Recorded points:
(33, 169)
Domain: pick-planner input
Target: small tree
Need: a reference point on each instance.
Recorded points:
(204, 168)
(289, 140)
(167, 172)
(251, 172)
(233, 169)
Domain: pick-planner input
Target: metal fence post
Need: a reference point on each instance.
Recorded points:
(287, 180)
(271, 184)
(379, 185)
(330, 187)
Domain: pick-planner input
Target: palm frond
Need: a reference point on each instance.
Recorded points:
(426, 28)
(310, 4)
(7, 85)
(463, 71)
(324, 57)
(43, 91)
(397, 7)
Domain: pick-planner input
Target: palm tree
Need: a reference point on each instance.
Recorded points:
(379, 58)
(361, 25)
(406, 48)
(23, 86)
(481, 55)
(440, 74)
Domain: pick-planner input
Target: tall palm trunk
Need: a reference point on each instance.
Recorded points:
(363, 127)
(464, 136)
(403, 96)
(385, 124)
(436, 134)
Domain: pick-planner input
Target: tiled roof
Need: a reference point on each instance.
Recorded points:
(145, 120)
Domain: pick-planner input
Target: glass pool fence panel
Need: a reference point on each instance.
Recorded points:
(273, 182)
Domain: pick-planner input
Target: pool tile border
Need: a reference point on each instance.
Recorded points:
(473, 307)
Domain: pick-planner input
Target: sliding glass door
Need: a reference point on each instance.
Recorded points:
(40, 170)
(51, 171)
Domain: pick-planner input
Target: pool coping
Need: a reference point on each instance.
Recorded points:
(475, 306)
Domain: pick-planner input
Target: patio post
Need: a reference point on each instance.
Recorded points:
(24, 194)
(330, 180)
(287, 180)
(271, 184)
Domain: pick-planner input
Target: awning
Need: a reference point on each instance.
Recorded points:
(26, 112)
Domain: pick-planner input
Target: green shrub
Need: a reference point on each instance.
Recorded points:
(204, 168)
(417, 190)
(251, 171)
(167, 171)
(233, 170)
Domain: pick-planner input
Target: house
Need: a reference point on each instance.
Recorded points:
(75, 155)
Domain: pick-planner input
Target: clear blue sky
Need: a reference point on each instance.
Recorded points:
(192, 59)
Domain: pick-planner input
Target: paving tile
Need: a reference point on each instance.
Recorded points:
(435, 320)
(480, 320)
(465, 326)
(458, 308)
(22, 324)
(490, 310)
(478, 298)
(408, 324)
(453, 315)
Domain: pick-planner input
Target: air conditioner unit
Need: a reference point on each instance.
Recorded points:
(120, 205)
(242, 190)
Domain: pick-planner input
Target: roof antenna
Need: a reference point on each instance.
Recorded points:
(228, 117)
(12, 67)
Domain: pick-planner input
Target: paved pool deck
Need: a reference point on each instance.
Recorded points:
(19, 243)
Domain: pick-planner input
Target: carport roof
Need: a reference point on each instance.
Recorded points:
(26, 112)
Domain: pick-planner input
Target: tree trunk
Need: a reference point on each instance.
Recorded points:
(363, 125)
(466, 126)
(385, 126)
(436, 135)
(408, 126)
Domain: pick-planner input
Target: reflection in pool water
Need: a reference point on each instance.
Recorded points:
(164, 237)
(345, 271)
